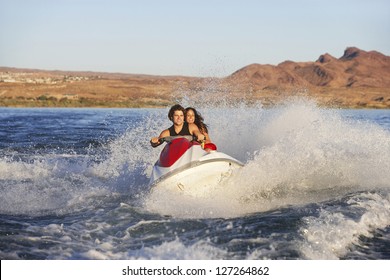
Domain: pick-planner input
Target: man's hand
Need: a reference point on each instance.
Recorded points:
(155, 141)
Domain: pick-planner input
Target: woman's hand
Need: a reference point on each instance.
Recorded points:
(200, 137)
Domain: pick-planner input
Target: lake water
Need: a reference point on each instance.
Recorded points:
(315, 185)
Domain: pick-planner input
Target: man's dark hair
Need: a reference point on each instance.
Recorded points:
(174, 108)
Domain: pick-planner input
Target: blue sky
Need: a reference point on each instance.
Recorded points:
(191, 38)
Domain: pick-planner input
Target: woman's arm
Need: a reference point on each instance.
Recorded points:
(194, 130)
(208, 140)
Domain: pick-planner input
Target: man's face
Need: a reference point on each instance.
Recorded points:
(178, 117)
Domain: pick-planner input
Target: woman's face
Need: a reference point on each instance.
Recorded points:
(190, 116)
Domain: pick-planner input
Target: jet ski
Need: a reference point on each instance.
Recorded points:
(184, 166)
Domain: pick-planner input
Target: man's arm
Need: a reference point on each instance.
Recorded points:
(156, 140)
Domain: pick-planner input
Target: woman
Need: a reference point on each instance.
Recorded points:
(194, 117)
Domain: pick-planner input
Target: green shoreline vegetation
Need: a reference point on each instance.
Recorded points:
(52, 102)
(80, 103)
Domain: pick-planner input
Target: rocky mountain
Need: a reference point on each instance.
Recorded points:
(356, 68)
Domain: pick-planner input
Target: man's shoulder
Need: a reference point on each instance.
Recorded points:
(165, 133)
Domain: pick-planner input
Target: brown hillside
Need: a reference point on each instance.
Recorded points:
(356, 68)
(356, 79)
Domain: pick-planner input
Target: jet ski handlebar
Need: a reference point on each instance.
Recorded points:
(171, 138)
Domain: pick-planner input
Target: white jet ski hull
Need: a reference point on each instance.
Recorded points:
(195, 173)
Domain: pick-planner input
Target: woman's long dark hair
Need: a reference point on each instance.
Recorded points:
(199, 121)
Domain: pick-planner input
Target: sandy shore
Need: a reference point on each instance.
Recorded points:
(59, 89)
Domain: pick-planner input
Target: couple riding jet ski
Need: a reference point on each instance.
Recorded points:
(185, 165)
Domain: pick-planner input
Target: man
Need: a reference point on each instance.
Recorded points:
(180, 127)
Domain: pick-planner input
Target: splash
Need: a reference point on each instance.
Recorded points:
(332, 233)
(295, 153)
(46, 184)
(176, 250)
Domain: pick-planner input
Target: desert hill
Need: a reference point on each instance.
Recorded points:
(357, 79)
(356, 68)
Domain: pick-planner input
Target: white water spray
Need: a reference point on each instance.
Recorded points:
(295, 153)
